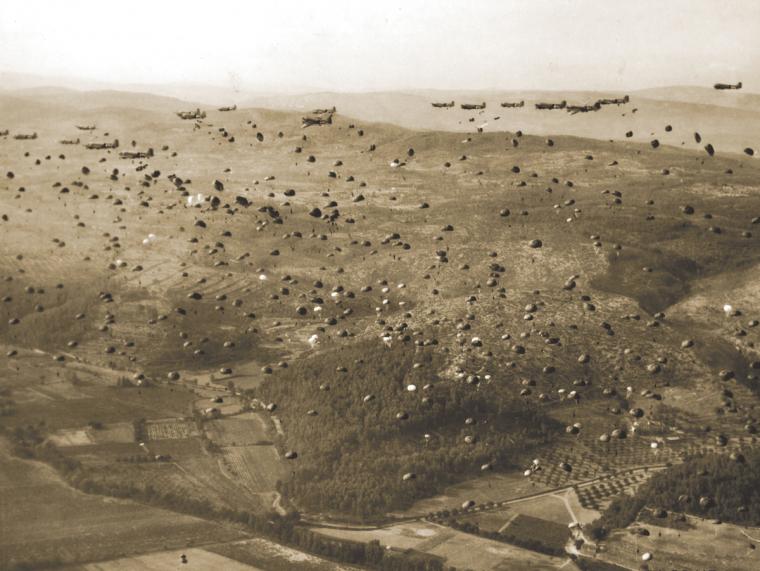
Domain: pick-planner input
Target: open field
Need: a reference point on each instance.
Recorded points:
(491, 488)
(491, 521)
(273, 557)
(547, 532)
(552, 508)
(245, 555)
(119, 432)
(458, 549)
(241, 430)
(169, 560)
(256, 467)
(725, 546)
(44, 520)
(170, 429)
(65, 397)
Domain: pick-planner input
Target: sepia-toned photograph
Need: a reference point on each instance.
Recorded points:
(419, 285)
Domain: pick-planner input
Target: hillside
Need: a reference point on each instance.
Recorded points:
(347, 320)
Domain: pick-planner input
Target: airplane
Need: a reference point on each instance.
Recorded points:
(98, 146)
(197, 114)
(450, 104)
(233, 108)
(728, 85)
(310, 121)
(614, 101)
(561, 105)
(573, 109)
(85, 127)
(510, 104)
(471, 106)
(136, 154)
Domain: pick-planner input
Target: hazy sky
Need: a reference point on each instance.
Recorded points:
(360, 45)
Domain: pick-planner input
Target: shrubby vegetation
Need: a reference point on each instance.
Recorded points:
(712, 486)
(353, 454)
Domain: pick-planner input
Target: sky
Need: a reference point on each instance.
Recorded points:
(344, 45)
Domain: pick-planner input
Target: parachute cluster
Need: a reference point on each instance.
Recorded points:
(235, 260)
